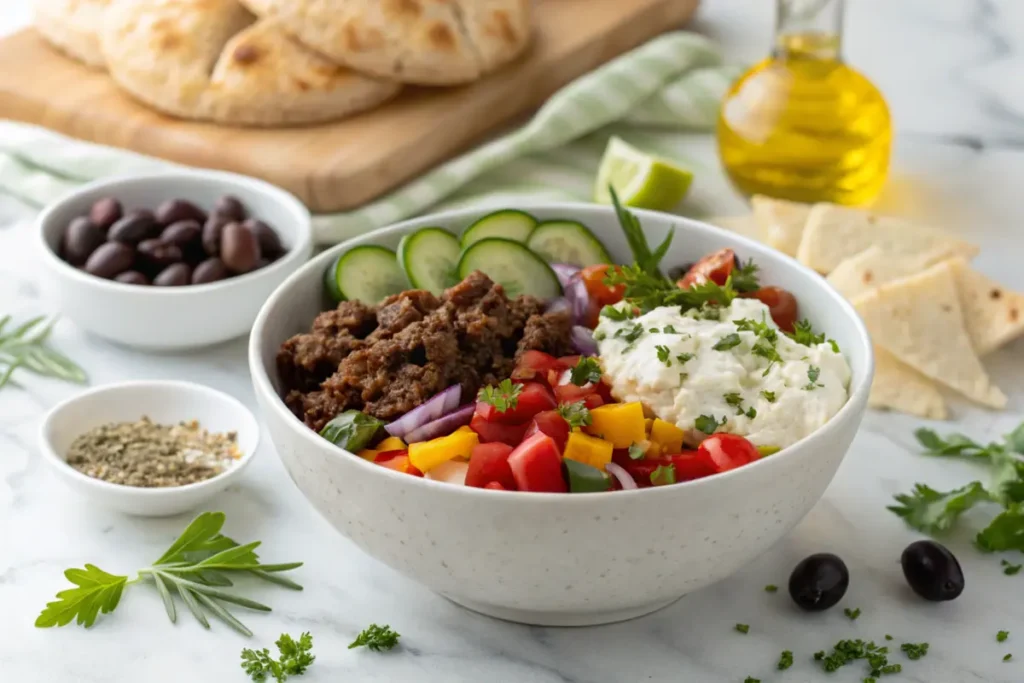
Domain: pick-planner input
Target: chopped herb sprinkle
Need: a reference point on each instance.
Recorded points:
(888, 637)
(768, 395)
(683, 357)
(708, 423)
(1008, 657)
(812, 376)
(663, 355)
(727, 342)
(751, 679)
(914, 650)
(743, 628)
(1010, 569)
(785, 660)
(852, 614)
(1002, 636)
(771, 588)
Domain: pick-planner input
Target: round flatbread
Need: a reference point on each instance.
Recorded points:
(211, 59)
(73, 27)
(426, 42)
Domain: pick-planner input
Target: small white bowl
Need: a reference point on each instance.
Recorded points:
(165, 403)
(168, 318)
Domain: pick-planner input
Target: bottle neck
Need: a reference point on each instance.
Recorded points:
(808, 29)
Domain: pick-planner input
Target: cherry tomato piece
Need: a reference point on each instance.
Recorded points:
(716, 267)
(532, 399)
(537, 465)
(488, 464)
(728, 451)
(594, 279)
(570, 393)
(781, 304)
(495, 432)
(399, 463)
(538, 365)
(495, 486)
(692, 465)
(551, 423)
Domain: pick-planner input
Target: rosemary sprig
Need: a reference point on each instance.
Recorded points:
(25, 347)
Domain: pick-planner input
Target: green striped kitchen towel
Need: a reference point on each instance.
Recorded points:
(672, 82)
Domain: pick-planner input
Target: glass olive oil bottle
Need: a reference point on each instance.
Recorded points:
(802, 125)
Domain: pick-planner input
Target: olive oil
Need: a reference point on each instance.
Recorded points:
(802, 125)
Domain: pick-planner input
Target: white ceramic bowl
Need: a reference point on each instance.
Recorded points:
(167, 318)
(565, 559)
(163, 402)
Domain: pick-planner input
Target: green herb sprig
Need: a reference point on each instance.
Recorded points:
(294, 659)
(586, 371)
(197, 567)
(25, 347)
(504, 397)
(376, 638)
(576, 414)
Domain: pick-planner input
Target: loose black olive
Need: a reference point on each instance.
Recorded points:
(819, 582)
(932, 571)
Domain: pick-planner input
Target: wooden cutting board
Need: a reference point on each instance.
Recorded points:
(344, 164)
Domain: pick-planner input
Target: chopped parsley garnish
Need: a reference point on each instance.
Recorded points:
(751, 679)
(803, 333)
(587, 371)
(1002, 636)
(637, 451)
(376, 638)
(727, 342)
(846, 651)
(735, 400)
(812, 376)
(1010, 569)
(630, 334)
(683, 376)
(743, 628)
(765, 350)
(744, 278)
(503, 397)
(888, 637)
(761, 329)
(664, 474)
(617, 314)
(653, 330)
(708, 423)
(600, 336)
(1007, 657)
(669, 329)
(852, 614)
(576, 414)
(771, 588)
(768, 395)
(914, 650)
(785, 660)
(751, 412)
(663, 355)
(931, 511)
(834, 345)
(683, 357)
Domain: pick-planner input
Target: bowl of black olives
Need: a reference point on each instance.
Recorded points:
(171, 260)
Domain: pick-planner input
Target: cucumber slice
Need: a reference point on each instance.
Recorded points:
(368, 273)
(511, 265)
(510, 224)
(429, 258)
(567, 242)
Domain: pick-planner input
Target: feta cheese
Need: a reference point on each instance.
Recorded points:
(680, 375)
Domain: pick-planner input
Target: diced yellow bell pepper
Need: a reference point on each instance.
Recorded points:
(426, 455)
(620, 423)
(653, 450)
(588, 449)
(667, 435)
(392, 443)
(464, 429)
(648, 424)
(368, 454)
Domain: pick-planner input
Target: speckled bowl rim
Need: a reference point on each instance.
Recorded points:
(855, 403)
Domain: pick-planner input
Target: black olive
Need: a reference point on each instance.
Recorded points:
(932, 571)
(819, 582)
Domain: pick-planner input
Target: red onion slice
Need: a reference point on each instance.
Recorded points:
(622, 475)
(583, 341)
(433, 409)
(442, 426)
(559, 305)
(564, 272)
(577, 294)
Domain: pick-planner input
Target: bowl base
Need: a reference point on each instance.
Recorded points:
(544, 618)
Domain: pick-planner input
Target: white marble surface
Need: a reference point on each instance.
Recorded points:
(951, 70)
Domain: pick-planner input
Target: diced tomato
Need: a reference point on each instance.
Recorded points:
(495, 432)
(495, 486)
(640, 470)
(533, 398)
(540, 366)
(592, 401)
(570, 361)
(537, 465)
(781, 304)
(399, 463)
(570, 393)
(488, 465)
(689, 465)
(728, 451)
(692, 465)
(603, 294)
(551, 423)
(384, 456)
(715, 267)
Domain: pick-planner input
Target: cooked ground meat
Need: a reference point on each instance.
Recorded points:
(391, 358)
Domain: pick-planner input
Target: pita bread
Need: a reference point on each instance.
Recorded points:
(73, 27)
(781, 222)
(897, 386)
(873, 268)
(427, 42)
(918, 319)
(835, 233)
(993, 315)
(210, 59)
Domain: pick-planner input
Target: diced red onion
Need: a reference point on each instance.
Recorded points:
(433, 409)
(577, 294)
(442, 426)
(565, 272)
(583, 341)
(559, 305)
(622, 475)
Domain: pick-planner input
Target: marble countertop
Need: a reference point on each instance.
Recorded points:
(951, 71)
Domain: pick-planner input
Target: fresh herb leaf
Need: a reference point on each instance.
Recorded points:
(1007, 657)
(683, 357)
(804, 334)
(852, 614)
(25, 347)
(1011, 569)
(914, 650)
(97, 592)
(834, 345)
(669, 329)
(504, 397)
(637, 451)
(813, 372)
(933, 512)
(663, 475)
(352, 430)
(771, 588)
(727, 342)
(735, 400)
(761, 329)
(576, 414)
(743, 628)
(1002, 636)
(708, 423)
(764, 349)
(751, 412)
(663, 355)
(1005, 531)
(587, 371)
(888, 637)
(751, 679)
(294, 659)
(785, 660)
(637, 240)
(376, 638)
(631, 333)
(954, 444)
(768, 395)
(744, 278)
(618, 313)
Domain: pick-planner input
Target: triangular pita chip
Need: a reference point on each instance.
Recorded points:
(993, 314)
(742, 225)
(835, 233)
(918, 320)
(873, 268)
(780, 222)
(897, 386)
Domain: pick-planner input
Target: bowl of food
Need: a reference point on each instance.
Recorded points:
(170, 260)
(580, 414)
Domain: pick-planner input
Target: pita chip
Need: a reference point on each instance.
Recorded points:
(897, 386)
(741, 225)
(918, 319)
(835, 233)
(873, 268)
(780, 222)
(993, 314)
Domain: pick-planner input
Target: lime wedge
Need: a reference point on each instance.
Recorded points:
(641, 180)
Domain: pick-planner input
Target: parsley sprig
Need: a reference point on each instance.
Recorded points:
(576, 414)
(376, 638)
(586, 371)
(504, 397)
(294, 659)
